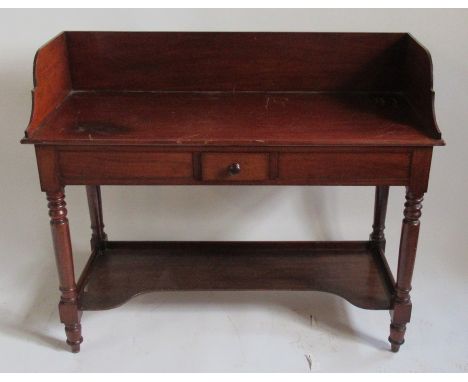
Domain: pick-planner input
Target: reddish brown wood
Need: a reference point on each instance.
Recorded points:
(47, 164)
(174, 165)
(349, 269)
(273, 165)
(234, 108)
(418, 89)
(52, 81)
(235, 166)
(409, 240)
(239, 61)
(98, 237)
(420, 168)
(319, 78)
(247, 119)
(380, 212)
(70, 314)
(94, 167)
(345, 167)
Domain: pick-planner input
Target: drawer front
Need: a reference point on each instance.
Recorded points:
(117, 167)
(344, 167)
(235, 167)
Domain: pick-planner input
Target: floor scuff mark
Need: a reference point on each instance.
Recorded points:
(313, 321)
(309, 361)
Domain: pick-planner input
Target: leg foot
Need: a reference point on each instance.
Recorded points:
(75, 348)
(395, 348)
(75, 345)
(74, 338)
(397, 334)
(70, 316)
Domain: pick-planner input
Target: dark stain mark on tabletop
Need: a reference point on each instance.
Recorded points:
(98, 128)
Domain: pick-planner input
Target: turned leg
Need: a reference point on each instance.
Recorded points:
(380, 212)
(408, 242)
(70, 315)
(98, 237)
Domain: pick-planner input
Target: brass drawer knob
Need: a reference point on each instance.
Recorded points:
(234, 168)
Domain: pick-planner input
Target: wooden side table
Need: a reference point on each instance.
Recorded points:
(126, 108)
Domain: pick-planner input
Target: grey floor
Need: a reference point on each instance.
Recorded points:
(231, 332)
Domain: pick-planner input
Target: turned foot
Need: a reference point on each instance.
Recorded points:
(74, 338)
(70, 316)
(397, 334)
(395, 348)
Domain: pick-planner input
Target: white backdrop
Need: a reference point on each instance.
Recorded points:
(28, 285)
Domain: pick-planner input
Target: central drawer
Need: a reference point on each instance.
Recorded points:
(235, 167)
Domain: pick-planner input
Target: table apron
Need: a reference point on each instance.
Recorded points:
(61, 166)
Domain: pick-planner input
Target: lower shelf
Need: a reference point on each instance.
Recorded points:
(353, 270)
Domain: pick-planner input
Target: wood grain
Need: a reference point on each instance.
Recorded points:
(94, 118)
(317, 166)
(52, 82)
(392, 69)
(350, 269)
(93, 167)
(239, 61)
(343, 167)
(418, 89)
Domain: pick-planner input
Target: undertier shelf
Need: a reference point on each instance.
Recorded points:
(353, 270)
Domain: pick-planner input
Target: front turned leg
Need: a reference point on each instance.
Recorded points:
(408, 242)
(70, 315)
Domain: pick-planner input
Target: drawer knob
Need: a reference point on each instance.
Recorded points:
(234, 169)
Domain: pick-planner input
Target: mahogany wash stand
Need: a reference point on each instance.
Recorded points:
(144, 108)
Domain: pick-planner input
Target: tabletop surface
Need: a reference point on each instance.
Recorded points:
(243, 118)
